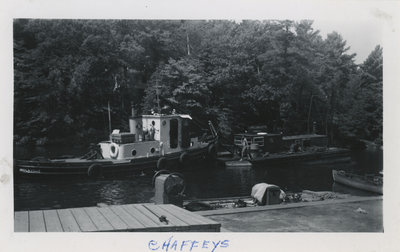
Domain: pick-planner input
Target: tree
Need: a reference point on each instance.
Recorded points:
(363, 118)
(279, 73)
(336, 70)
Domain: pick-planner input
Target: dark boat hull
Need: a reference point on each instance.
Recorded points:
(356, 181)
(75, 167)
(329, 155)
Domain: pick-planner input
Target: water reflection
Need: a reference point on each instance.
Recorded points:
(49, 194)
(220, 182)
(202, 182)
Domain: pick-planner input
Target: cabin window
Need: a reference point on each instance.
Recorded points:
(185, 132)
(133, 152)
(259, 141)
(173, 133)
(152, 150)
(238, 140)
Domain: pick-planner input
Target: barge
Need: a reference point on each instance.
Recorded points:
(273, 149)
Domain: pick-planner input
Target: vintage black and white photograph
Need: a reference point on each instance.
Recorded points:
(196, 125)
(155, 132)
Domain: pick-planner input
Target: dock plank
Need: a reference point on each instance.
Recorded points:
(149, 215)
(139, 216)
(68, 221)
(198, 217)
(36, 221)
(52, 221)
(133, 217)
(162, 226)
(127, 218)
(170, 217)
(98, 219)
(113, 219)
(83, 220)
(197, 222)
(21, 221)
(189, 219)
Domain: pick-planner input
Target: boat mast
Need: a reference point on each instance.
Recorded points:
(116, 87)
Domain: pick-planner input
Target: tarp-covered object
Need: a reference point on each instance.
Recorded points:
(258, 192)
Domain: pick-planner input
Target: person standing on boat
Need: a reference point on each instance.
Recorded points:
(152, 131)
(245, 149)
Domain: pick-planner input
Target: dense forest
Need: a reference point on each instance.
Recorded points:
(278, 73)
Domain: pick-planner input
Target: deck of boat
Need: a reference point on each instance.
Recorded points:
(132, 218)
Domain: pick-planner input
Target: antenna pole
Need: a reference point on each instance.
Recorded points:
(109, 119)
(158, 98)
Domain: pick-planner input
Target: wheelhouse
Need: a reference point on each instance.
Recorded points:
(151, 135)
(273, 143)
(261, 141)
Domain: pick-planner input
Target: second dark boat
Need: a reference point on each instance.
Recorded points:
(273, 149)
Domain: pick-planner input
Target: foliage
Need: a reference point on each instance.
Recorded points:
(363, 108)
(278, 73)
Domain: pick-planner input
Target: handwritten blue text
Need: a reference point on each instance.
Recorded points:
(172, 244)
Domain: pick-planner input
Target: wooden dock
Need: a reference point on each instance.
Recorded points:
(115, 218)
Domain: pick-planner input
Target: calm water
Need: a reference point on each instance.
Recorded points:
(201, 183)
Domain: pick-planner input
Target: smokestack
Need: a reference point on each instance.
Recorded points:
(133, 110)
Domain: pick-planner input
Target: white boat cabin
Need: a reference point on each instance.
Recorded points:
(151, 135)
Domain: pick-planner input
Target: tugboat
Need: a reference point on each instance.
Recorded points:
(154, 142)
